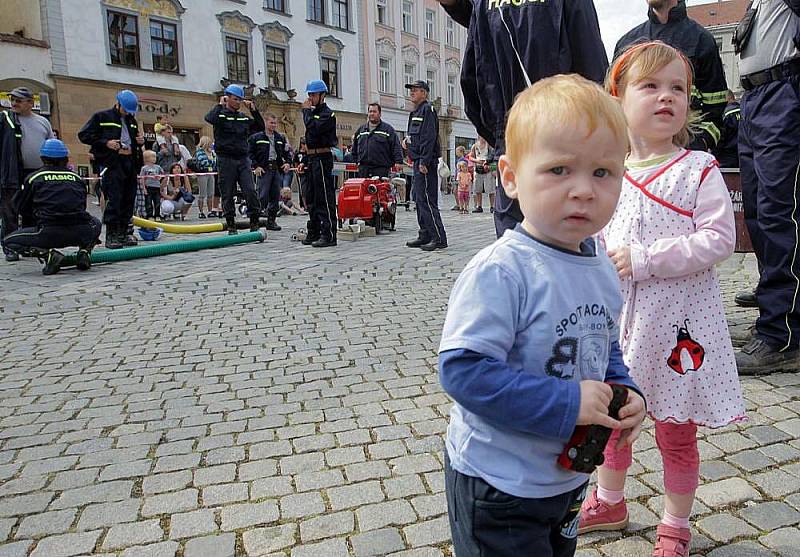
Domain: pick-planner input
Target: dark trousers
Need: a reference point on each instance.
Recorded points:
(426, 196)
(321, 197)
(119, 186)
(269, 191)
(370, 171)
(507, 214)
(152, 202)
(233, 171)
(769, 158)
(51, 236)
(485, 521)
(9, 219)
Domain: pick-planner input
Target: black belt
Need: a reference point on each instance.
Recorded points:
(775, 73)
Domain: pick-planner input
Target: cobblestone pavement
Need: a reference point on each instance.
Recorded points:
(271, 399)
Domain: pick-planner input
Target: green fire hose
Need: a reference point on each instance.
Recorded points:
(138, 252)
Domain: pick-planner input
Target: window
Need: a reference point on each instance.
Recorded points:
(276, 67)
(238, 58)
(452, 95)
(275, 5)
(408, 16)
(316, 10)
(431, 76)
(430, 25)
(450, 33)
(330, 75)
(382, 12)
(385, 75)
(340, 15)
(409, 73)
(123, 39)
(164, 46)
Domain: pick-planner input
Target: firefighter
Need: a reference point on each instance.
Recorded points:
(727, 151)
(52, 204)
(11, 175)
(422, 142)
(668, 22)
(535, 40)
(376, 147)
(231, 130)
(270, 162)
(115, 141)
(769, 63)
(320, 136)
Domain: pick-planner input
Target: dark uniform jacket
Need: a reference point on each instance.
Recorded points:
(377, 148)
(52, 196)
(320, 124)
(10, 150)
(547, 38)
(727, 151)
(231, 130)
(699, 46)
(258, 147)
(105, 126)
(423, 132)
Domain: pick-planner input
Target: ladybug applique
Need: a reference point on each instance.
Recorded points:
(685, 342)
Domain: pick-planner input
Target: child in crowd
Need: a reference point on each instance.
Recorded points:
(464, 179)
(176, 194)
(674, 221)
(286, 205)
(151, 185)
(530, 341)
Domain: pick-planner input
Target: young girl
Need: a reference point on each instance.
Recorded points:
(285, 204)
(464, 179)
(673, 223)
(176, 196)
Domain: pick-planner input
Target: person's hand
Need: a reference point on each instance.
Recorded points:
(258, 171)
(223, 100)
(595, 398)
(285, 168)
(163, 148)
(631, 417)
(249, 104)
(404, 143)
(114, 144)
(621, 258)
(306, 103)
(140, 138)
(423, 169)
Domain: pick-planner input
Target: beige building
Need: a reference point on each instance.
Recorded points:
(406, 40)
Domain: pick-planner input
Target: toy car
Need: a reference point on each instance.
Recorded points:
(370, 199)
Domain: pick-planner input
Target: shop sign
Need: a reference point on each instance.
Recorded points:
(158, 106)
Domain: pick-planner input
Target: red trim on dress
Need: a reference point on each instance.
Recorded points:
(643, 187)
(714, 164)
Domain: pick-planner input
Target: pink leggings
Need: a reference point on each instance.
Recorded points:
(678, 446)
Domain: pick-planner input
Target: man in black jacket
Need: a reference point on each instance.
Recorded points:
(10, 176)
(231, 130)
(116, 140)
(320, 122)
(270, 161)
(667, 21)
(535, 40)
(376, 147)
(727, 151)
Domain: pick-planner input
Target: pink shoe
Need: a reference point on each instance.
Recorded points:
(597, 515)
(672, 542)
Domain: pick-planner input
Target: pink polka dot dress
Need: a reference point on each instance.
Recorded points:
(677, 218)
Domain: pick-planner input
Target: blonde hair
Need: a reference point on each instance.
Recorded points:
(558, 101)
(645, 59)
(149, 154)
(205, 143)
(462, 164)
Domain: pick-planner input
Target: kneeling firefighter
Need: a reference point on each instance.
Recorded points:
(52, 204)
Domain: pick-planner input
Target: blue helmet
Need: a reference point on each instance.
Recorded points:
(128, 100)
(235, 90)
(316, 86)
(54, 149)
(149, 234)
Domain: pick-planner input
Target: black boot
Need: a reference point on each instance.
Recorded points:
(758, 358)
(746, 299)
(417, 243)
(255, 223)
(271, 224)
(128, 239)
(52, 262)
(230, 224)
(324, 242)
(113, 240)
(83, 261)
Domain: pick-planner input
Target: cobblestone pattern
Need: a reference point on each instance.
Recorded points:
(272, 399)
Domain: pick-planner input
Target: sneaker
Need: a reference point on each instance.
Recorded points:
(52, 263)
(201, 215)
(597, 515)
(672, 542)
(83, 261)
(759, 358)
(478, 210)
(746, 299)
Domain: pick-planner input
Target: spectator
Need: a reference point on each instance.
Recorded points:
(176, 194)
(286, 205)
(481, 156)
(464, 185)
(206, 162)
(299, 162)
(151, 183)
(461, 154)
(161, 121)
(288, 176)
(169, 151)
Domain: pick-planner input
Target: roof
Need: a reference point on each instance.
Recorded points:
(714, 14)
